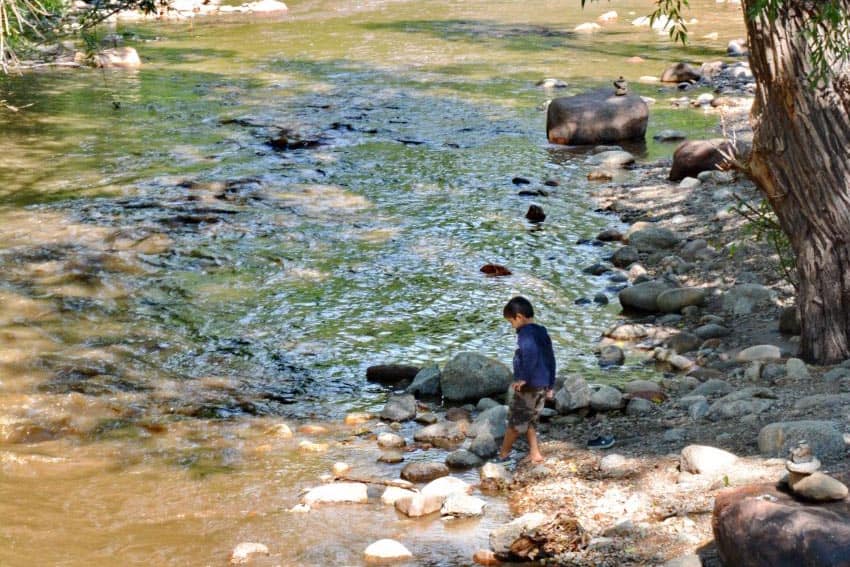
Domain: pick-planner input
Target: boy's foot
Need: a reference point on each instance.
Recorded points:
(601, 442)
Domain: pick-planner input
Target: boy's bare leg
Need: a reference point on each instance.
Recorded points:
(511, 435)
(533, 450)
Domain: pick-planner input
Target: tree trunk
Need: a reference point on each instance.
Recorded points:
(801, 162)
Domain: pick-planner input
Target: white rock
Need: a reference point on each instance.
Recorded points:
(503, 536)
(759, 352)
(588, 27)
(242, 553)
(494, 476)
(393, 493)
(335, 493)
(340, 468)
(386, 550)
(445, 486)
(702, 459)
(462, 505)
(608, 16)
(418, 505)
(390, 440)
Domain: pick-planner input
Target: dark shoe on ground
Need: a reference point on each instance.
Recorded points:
(601, 442)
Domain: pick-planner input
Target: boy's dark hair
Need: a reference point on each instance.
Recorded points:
(518, 306)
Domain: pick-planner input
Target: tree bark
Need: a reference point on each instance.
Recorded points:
(801, 162)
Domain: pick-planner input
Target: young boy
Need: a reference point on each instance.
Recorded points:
(534, 377)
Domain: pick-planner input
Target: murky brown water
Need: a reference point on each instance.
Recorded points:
(172, 287)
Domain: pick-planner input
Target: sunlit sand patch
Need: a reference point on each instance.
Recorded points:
(306, 274)
(30, 227)
(378, 235)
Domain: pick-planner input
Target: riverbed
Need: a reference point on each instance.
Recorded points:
(176, 280)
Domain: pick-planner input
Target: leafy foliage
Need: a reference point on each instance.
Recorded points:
(763, 225)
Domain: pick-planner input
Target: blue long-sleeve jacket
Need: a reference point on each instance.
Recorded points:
(534, 359)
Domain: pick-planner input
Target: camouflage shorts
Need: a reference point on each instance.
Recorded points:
(525, 408)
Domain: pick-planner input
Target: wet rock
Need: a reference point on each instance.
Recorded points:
(759, 352)
(789, 321)
(495, 270)
(695, 156)
(463, 459)
(680, 72)
(503, 536)
(386, 551)
(674, 300)
(245, 551)
(643, 296)
(393, 493)
(423, 471)
(427, 418)
(776, 439)
(309, 447)
(737, 48)
(336, 493)
(669, 136)
(684, 342)
(600, 299)
(600, 174)
(391, 373)
(391, 457)
(390, 441)
(647, 237)
(605, 398)
(118, 57)
(484, 445)
(491, 421)
(485, 557)
(399, 408)
(609, 235)
(702, 459)
(596, 269)
(462, 506)
(611, 355)
(520, 181)
(535, 214)
(426, 383)
(625, 256)
(494, 477)
(759, 526)
(357, 418)
(612, 159)
(552, 84)
(743, 299)
(418, 505)
(280, 430)
(445, 434)
(471, 376)
(626, 332)
(596, 117)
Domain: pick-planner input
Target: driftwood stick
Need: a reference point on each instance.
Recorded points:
(381, 481)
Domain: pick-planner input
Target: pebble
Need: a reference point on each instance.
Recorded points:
(391, 457)
(391, 441)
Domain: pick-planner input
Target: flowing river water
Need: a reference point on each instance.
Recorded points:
(172, 286)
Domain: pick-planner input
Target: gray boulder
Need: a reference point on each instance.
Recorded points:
(712, 387)
(625, 256)
(484, 445)
(639, 406)
(743, 299)
(472, 376)
(596, 117)
(611, 355)
(612, 158)
(491, 421)
(426, 383)
(423, 471)
(445, 434)
(711, 331)
(604, 398)
(826, 441)
(643, 296)
(399, 408)
(674, 300)
(463, 459)
(684, 342)
(575, 394)
(653, 238)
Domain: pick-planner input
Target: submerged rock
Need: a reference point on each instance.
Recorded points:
(386, 551)
(243, 552)
(335, 493)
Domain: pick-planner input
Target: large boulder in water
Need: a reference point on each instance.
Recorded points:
(760, 526)
(596, 117)
(472, 376)
(695, 156)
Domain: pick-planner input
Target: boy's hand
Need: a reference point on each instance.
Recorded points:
(550, 393)
(517, 386)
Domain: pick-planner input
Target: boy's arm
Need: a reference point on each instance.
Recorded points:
(528, 351)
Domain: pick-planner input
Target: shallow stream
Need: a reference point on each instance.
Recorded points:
(173, 285)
